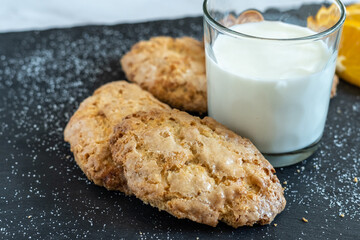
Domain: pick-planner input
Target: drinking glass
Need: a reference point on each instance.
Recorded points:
(268, 87)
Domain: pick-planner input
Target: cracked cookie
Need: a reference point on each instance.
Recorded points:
(89, 129)
(172, 69)
(196, 169)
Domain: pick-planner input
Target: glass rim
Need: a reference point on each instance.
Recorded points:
(209, 19)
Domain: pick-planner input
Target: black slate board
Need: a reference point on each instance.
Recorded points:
(44, 195)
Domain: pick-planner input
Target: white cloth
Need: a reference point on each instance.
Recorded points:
(18, 15)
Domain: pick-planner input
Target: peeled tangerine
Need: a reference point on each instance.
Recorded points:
(348, 63)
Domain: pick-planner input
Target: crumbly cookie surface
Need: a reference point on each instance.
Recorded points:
(172, 69)
(89, 129)
(334, 86)
(196, 169)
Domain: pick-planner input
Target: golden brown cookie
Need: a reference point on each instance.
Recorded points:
(196, 169)
(172, 69)
(245, 17)
(89, 129)
(334, 86)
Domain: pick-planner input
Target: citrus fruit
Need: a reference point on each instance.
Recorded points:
(348, 62)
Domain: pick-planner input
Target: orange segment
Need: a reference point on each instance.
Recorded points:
(353, 12)
(348, 63)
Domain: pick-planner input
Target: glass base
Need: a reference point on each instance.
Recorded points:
(290, 158)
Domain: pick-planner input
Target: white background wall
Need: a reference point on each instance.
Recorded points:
(17, 15)
(42, 14)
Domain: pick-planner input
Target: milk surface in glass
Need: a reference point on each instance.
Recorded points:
(277, 95)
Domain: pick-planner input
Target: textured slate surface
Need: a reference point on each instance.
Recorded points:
(44, 195)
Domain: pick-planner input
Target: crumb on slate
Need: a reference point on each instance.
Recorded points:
(305, 220)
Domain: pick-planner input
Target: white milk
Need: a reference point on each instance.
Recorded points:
(274, 93)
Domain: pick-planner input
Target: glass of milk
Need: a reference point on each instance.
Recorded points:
(269, 76)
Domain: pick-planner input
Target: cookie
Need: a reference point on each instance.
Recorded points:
(334, 86)
(89, 129)
(172, 69)
(196, 169)
(245, 17)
